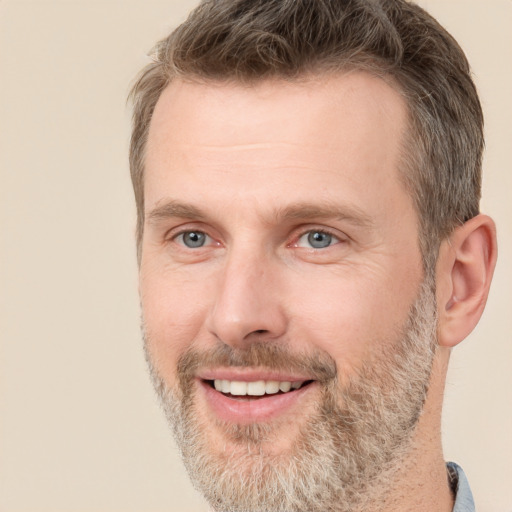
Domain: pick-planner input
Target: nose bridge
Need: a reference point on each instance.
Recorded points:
(247, 301)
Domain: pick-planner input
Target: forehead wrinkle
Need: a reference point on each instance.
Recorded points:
(240, 146)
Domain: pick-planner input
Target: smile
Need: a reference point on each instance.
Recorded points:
(256, 388)
(255, 400)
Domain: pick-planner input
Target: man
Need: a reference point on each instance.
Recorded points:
(307, 177)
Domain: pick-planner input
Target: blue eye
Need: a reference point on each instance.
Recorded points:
(317, 239)
(193, 239)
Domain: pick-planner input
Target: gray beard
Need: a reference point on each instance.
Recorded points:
(346, 454)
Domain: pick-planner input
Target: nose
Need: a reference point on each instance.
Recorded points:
(248, 304)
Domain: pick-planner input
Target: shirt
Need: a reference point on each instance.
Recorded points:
(463, 497)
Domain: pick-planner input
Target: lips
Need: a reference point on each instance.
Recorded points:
(243, 398)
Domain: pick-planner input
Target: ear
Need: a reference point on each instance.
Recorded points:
(463, 276)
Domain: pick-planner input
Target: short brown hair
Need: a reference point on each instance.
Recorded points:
(252, 40)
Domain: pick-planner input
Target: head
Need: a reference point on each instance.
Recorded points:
(307, 179)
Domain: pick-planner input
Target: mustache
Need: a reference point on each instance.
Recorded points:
(269, 355)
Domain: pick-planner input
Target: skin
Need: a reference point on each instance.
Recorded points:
(257, 168)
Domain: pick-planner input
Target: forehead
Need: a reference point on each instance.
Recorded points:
(342, 132)
(248, 112)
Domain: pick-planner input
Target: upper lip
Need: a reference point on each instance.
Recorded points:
(250, 375)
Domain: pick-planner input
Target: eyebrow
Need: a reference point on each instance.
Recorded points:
(345, 212)
(174, 209)
(299, 211)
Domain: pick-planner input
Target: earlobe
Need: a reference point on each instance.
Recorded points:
(463, 276)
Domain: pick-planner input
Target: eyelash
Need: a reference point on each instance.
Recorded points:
(175, 236)
(322, 231)
(336, 236)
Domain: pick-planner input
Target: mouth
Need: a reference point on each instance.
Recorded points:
(254, 390)
(255, 401)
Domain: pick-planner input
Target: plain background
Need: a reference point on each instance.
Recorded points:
(80, 428)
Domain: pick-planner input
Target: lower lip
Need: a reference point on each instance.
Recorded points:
(255, 410)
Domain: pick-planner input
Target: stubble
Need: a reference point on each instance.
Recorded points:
(345, 454)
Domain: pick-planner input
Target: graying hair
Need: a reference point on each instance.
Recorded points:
(348, 452)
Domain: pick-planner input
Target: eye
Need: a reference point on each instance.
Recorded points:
(193, 239)
(317, 239)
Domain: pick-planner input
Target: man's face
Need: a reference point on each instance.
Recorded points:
(280, 247)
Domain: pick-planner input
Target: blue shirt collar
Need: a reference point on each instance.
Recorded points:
(463, 497)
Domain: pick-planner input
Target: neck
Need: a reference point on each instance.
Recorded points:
(421, 482)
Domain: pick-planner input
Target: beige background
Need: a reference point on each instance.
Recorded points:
(80, 429)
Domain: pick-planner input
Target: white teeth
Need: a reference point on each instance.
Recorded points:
(272, 387)
(226, 386)
(255, 388)
(285, 386)
(238, 388)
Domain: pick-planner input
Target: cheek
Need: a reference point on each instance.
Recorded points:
(173, 314)
(350, 317)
